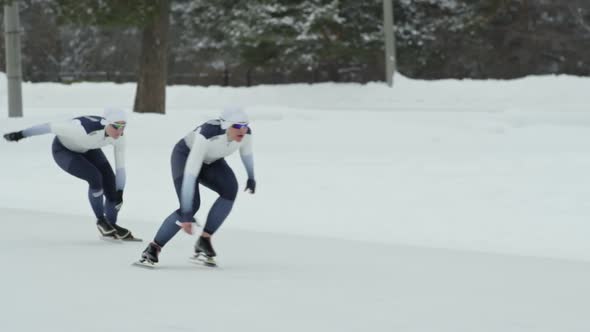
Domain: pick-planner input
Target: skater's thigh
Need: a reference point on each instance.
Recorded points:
(219, 177)
(99, 160)
(75, 164)
(196, 195)
(177, 165)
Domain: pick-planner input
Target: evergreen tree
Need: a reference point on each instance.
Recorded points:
(152, 17)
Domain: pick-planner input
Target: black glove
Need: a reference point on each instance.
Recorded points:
(14, 137)
(118, 199)
(251, 186)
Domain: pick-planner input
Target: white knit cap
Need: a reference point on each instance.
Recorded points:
(113, 115)
(231, 115)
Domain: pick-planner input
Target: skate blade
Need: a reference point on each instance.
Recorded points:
(144, 264)
(109, 239)
(117, 240)
(133, 239)
(202, 260)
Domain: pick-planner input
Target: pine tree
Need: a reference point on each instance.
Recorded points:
(152, 17)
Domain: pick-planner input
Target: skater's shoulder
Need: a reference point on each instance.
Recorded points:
(90, 123)
(210, 129)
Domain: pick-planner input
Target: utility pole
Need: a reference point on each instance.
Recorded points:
(13, 59)
(389, 41)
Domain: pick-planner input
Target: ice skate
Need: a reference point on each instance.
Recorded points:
(149, 257)
(105, 228)
(124, 234)
(203, 246)
(204, 252)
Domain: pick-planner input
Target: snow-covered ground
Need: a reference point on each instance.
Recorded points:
(434, 206)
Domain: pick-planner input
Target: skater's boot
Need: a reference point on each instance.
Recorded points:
(105, 228)
(203, 246)
(122, 233)
(150, 253)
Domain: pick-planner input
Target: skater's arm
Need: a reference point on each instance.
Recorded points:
(67, 128)
(31, 131)
(191, 172)
(248, 160)
(41, 129)
(120, 174)
(247, 156)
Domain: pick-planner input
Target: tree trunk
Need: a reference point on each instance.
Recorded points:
(225, 76)
(249, 76)
(150, 96)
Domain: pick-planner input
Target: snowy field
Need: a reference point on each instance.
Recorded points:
(438, 206)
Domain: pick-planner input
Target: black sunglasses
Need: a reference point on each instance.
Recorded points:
(239, 125)
(118, 125)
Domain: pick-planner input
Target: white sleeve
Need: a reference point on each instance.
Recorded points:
(247, 156)
(191, 172)
(120, 148)
(41, 129)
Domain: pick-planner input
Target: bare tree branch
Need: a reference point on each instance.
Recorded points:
(577, 14)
